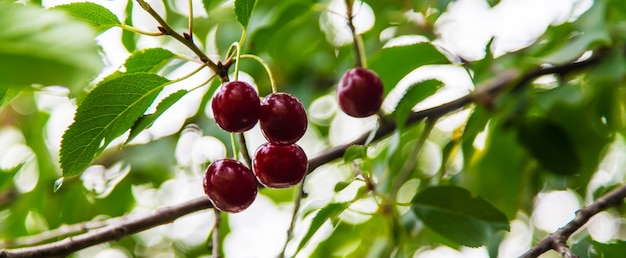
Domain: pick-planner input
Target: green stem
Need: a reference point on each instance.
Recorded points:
(234, 146)
(267, 69)
(237, 57)
(138, 31)
(244, 149)
(408, 166)
(189, 2)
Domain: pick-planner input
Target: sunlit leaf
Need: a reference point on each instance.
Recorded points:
(106, 113)
(385, 61)
(148, 60)
(209, 5)
(243, 11)
(413, 95)
(99, 17)
(355, 152)
(146, 121)
(454, 213)
(45, 47)
(330, 211)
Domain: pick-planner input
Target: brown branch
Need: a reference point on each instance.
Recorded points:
(169, 214)
(558, 240)
(109, 233)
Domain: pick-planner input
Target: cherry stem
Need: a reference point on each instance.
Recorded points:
(244, 149)
(237, 48)
(358, 42)
(267, 69)
(216, 234)
(189, 2)
(410, 163)
(138, 31)
(234, 146)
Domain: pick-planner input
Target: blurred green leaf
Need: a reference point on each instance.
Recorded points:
(146, 121)
(45, 47)
(414, 95)
(243, 11)
(340, 186)
(355, 152)
(454, 213)
(148, 60)
(331, 210)
(385, 61)
(593, 32)
(8, 94)
(209, 5)
(106, 113)
(550, 145)
(614, 248)
(97, 16)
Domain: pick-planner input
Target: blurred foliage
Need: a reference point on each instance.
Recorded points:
(426, 186)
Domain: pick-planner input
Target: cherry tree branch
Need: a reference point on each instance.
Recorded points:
(134, 224)
(111, 232)
(558, 240)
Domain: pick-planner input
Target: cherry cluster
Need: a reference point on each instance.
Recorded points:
(279, 163)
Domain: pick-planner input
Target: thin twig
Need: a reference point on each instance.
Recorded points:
(216, 235)
(294, 216)
(165, 28)
(557, 240)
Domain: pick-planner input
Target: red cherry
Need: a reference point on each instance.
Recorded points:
(230, 185)
(360, 92)
(283, 118)
(280, 166)
(236, 106)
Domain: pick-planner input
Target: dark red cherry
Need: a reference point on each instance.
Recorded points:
(283, 118)
(360, 92)
(280, 166)
(236, 106)
(230, 185)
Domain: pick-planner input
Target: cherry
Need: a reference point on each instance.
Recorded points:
(236, 106)
(360, 92)
(282, 119)
(280, 166)
(230, 185)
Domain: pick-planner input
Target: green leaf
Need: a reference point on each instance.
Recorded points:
(384, 62)
(413, 95)
(45, 47)
(99, 17)
(146, 121)
(550, 145)
(243, 10)
(209, 5)
(148, 60)
(330, 211)
(8, 94)
(593, 32)
(614, 248)
(454, 213)
(355, 152)
(106, 113)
